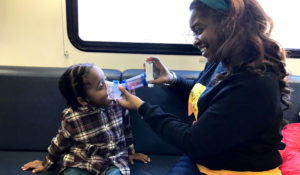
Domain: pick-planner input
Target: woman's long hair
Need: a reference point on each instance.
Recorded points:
(245, 32)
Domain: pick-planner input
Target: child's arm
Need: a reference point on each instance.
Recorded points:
(128, 132)
(129, 141)
(58, 146)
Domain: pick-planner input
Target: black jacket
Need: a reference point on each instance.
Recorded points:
(239, 121)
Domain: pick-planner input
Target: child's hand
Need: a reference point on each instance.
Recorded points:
(36, 165)
(139, 156)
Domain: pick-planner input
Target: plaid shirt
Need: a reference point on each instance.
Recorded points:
(93, 139)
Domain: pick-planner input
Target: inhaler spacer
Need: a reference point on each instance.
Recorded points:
(113, 91)
(135, 82)
(141, 79)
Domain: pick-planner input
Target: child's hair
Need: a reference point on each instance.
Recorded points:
(71, 83)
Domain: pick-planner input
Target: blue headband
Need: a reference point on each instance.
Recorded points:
(219, 5)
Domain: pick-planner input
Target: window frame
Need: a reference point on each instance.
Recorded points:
(127, 47)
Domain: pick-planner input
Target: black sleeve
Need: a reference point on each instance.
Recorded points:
(182, 87)
(237, 113)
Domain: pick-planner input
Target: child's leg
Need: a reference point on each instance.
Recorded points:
(113, 171)
(75, 171)
(184, 166)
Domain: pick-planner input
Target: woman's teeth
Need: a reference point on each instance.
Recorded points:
(203, 49)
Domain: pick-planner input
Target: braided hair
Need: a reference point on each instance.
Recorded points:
(71, 83)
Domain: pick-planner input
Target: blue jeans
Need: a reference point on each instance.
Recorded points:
(113, 171)
(75, 171)
(184, 166)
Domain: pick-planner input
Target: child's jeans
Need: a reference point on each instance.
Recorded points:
(184, 166)
(75, 171)
(113, 171)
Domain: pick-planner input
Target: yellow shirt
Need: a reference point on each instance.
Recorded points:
(207, 171)
(195, 94)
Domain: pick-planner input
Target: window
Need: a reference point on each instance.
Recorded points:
(286, 28)
(158, 26)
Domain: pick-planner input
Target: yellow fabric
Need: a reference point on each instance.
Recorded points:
(193, 99)
(207, 171)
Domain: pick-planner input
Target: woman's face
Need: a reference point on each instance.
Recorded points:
(206, 35)
(96, 88)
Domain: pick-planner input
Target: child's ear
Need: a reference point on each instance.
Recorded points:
(81, 101)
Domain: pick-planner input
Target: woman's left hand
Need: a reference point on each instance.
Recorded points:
(139, 156)
(128, 100)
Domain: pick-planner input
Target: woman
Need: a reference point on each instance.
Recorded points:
(236, 100)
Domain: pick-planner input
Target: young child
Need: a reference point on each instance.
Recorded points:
(95, 135)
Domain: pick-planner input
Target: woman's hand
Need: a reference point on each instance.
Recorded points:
(128, 100)
(164, 75)
(139, 156)
(36, 165)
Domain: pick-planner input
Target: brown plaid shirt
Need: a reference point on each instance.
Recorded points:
(93, 139)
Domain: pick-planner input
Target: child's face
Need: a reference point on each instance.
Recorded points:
(96, 88)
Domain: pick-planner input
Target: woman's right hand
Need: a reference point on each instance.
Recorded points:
(36, 165)
(162, 72)
(128, 100)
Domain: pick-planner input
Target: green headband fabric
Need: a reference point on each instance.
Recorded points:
(219, 5)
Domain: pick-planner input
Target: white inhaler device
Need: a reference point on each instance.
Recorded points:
(149, 72)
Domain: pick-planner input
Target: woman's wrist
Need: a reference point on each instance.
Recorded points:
(141, 109)
(172, 80)
(139, 105)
